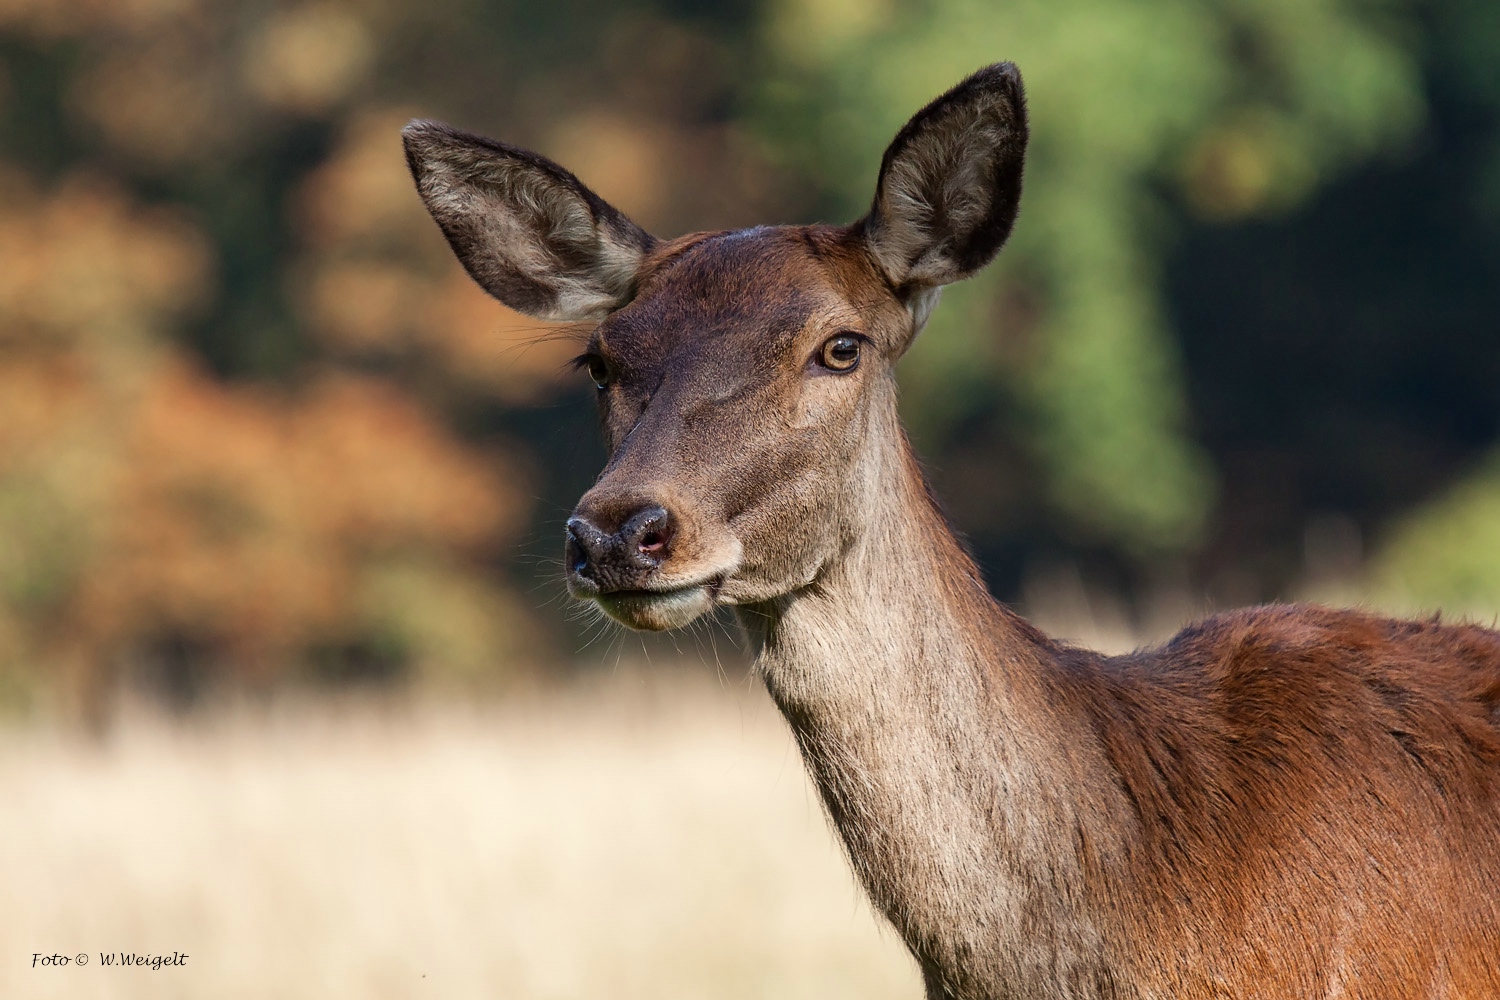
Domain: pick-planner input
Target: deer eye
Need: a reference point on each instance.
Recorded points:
(841, 353)
(597, 368)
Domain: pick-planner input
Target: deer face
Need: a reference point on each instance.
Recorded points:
(735, 392)
(745, 378)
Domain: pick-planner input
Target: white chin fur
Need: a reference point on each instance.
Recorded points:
(653, 612)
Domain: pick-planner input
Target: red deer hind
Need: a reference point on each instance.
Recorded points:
(1280, 802)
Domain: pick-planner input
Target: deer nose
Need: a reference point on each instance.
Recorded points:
(618, 560)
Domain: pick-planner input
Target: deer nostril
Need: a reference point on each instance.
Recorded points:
(640, 545)
(577, 558)
(585, 544)
(647, 535)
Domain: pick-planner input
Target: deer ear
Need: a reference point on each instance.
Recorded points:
(950, 183)
(527, 230)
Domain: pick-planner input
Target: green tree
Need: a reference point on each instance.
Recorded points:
(1232, 108)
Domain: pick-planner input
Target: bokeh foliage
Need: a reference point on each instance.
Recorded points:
(1236, 108)
(254, 422)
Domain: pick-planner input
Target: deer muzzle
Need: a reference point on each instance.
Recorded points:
(622, 570)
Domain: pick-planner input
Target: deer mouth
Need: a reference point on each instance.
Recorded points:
(660, 610)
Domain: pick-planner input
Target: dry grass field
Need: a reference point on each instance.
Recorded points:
(646, 834)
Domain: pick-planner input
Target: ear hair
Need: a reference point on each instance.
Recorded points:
(529, 232)
(950, 183)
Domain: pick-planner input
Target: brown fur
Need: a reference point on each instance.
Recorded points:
(1281, 802)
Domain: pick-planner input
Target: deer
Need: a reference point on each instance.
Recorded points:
(1285, 801)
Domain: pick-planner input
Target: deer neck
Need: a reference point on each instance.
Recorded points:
(921, 709)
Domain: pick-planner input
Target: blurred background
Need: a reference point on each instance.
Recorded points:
(264, 447)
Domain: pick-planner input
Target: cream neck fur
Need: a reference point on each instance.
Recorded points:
(918, 707)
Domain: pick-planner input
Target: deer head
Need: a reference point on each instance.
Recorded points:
(745, 379)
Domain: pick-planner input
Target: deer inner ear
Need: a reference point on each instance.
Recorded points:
(530, 233)
(950, 183)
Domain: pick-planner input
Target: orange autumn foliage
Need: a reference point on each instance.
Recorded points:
(248, 520)
(143, 500)
(209, 243)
